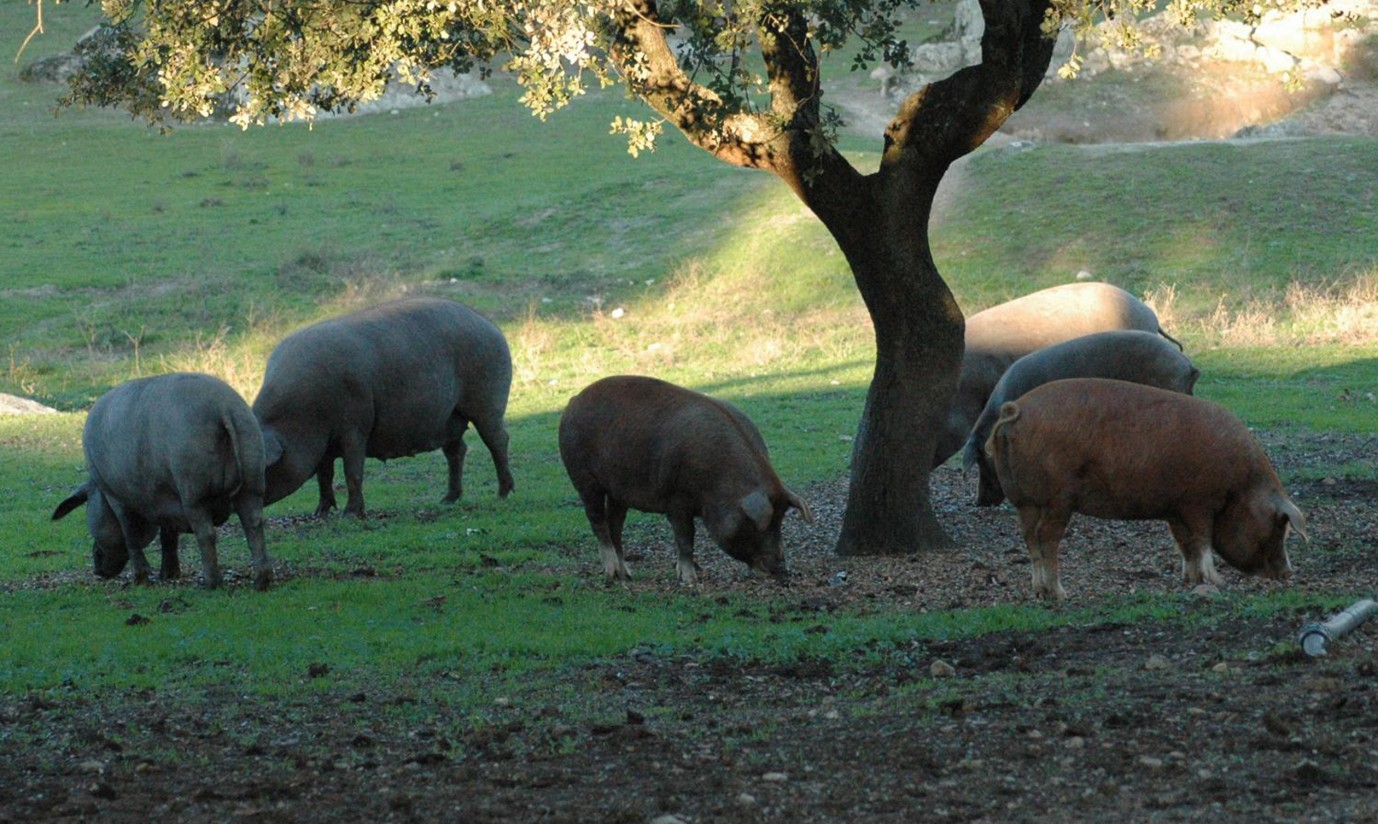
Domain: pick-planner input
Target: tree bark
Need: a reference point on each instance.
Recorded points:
(880, 222)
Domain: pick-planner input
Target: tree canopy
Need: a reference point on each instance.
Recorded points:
(290, 59)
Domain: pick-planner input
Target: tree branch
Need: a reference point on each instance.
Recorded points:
(950, 118)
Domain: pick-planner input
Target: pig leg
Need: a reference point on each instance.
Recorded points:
(250, 508)
(1193, 541)
(682, 525)
(494, 437)
(988, 490)
(205, 538)
(1043, 530)
(172, 565)
(454, 450)
(131, 526)
(325, 481)
(352, 456)
(598, 508)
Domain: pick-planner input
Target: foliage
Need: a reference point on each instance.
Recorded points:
(169, 61)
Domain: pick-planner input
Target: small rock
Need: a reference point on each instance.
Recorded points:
(746, 800)
(1085, 275)
(1205, 590)
(1221, 668)
(1157, 662)
(1151, 762)
(1076, 742)
(92, 766)
(942, 669)
(775, 777)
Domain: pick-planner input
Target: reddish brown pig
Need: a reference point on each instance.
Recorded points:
(640, 443)
(1124, 451)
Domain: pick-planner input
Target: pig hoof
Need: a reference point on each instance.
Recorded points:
(689, 573)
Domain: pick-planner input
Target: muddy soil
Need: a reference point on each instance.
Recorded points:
(1218, 715)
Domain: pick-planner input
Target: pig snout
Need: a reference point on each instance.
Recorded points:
(109, 562)
(1277, 567)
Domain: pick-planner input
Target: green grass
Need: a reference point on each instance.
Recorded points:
(126, 252)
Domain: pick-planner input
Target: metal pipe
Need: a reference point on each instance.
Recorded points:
(1315, 635)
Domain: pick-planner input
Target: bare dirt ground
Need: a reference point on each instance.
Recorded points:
(1214, 716)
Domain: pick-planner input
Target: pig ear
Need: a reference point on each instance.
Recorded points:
(757, 507)
(73, 501)
(1294, 517)
(798, 503)
(272, 447)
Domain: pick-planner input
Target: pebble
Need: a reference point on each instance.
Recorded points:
(746, 800)
(775, 777)
(1222, 668)
(1151, 762)
(1156, 662)
(942, 669)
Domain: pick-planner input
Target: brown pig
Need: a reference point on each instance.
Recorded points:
(1002, 334)
(632, 442)
(1124, 451)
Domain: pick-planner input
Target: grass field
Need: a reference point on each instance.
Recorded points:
(130, 253)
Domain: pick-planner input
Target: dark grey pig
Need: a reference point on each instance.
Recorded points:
(644, 444)
(391, 381)
(1003, 334)
(170, 454)
(1139, 357)
(1123, 451)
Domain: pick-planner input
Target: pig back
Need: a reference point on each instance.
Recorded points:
(647, 442)
(1115, 449)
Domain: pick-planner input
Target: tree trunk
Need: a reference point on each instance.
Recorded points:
(880, 222)
(919, 344)
(918, 327)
